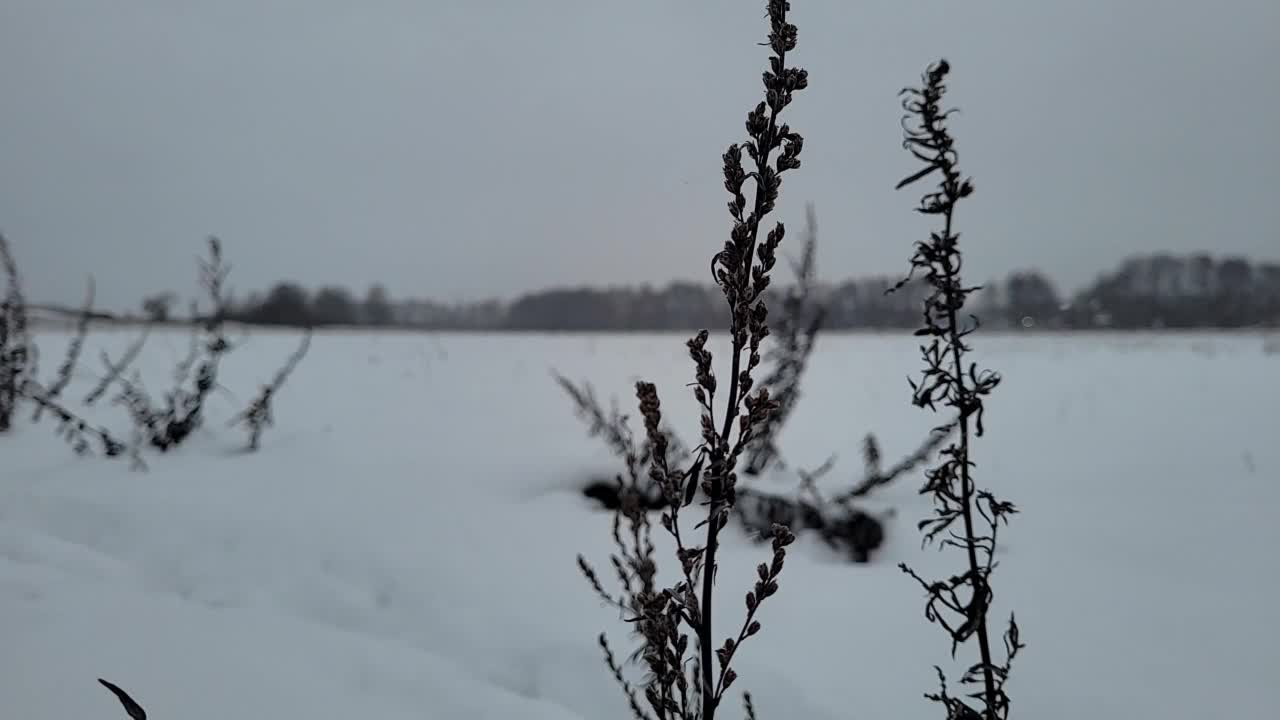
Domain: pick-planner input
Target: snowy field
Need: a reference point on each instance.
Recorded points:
(403, 546)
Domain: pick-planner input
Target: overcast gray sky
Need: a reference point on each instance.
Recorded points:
(463, 149)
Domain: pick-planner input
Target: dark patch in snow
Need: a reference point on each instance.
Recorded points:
(842, 526)
(609, 496)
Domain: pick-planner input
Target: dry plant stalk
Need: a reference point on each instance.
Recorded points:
(183, 412)
(130, 705)
(258, 416)
(612, 427)
(836, 520)
(17, 354)
(665, 617)
(959, 604)
(115, 369)
(874, 474)
(18, 379)
(72, 357)
(73, 428)
(795, 335)
(162, 427)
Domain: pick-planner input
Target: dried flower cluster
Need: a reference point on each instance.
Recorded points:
(959, 604)
(837, 521)
(794, 335)
(612, 427)
(667, 617)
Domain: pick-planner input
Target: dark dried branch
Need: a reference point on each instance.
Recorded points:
(612, 427)
(73, 428)
(130, 705)
(876, 477)
(666, 619)
(17, 353)
(115, 370)
(960, 604)
(72, 357)
(182, 370)
(258, 415)
(637, 710)
(183, 411)
(796, 332)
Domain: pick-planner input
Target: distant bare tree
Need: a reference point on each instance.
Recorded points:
(335, 306)
(377, 307)
(159, 307)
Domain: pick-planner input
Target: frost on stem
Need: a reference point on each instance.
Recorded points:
(959, 604)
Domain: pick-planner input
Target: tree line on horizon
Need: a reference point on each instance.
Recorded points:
(1148, 291)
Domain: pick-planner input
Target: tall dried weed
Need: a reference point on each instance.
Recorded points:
(667, 618)
(961, 603)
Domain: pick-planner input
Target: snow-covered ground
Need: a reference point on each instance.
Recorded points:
(403, 546)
